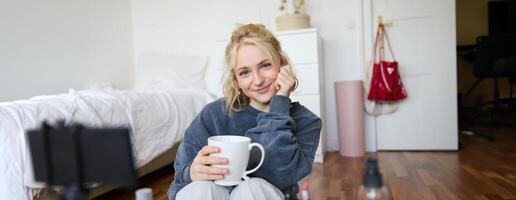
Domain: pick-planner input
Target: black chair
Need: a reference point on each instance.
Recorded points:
(508, 66)
(495, 57)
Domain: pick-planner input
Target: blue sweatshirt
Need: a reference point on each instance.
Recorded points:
(289, 134)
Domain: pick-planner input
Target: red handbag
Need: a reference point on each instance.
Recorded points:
(386, 84)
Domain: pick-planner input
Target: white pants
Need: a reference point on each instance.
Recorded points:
(252, 189)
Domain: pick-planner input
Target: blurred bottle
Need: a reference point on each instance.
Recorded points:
(372, 186)
(304, 192)
(144, 194)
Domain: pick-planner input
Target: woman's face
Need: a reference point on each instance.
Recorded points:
(256, 75)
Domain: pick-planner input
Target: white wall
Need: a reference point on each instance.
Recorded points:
(191, 27)
(337, 23)
(49, 46)
(188, 27)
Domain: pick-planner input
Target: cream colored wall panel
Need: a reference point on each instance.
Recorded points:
(312, 102)
(307, 74)
(300, 46)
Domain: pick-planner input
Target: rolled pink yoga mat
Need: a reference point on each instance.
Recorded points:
(350, 117)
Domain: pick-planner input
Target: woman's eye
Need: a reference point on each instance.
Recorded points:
(243, 73)
(266, 65)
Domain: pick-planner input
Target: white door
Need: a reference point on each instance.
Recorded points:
(422, 35)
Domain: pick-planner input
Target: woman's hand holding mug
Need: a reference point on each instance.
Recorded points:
(237, 150)
(201, 168)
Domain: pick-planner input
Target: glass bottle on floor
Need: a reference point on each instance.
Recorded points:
(372, 186)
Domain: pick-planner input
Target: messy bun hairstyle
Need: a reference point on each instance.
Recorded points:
(248, 34)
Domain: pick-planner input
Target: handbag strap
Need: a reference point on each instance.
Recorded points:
(375, 49)
(388, 42)
(378, 44)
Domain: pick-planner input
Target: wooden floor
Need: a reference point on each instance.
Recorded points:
(480, 170)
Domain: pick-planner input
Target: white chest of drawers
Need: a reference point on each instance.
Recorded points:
(303, 48)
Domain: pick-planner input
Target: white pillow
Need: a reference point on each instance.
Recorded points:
(216, 68)
(167, 71)
(214, 73)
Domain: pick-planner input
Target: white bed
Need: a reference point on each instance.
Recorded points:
(157, 118)
(169, 92)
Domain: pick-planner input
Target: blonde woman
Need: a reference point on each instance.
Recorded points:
(256, 104)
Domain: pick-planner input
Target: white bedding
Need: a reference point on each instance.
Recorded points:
(157, 118)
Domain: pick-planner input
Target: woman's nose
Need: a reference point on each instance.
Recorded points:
(258, 79)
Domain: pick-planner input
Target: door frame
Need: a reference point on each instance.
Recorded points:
(365, 35)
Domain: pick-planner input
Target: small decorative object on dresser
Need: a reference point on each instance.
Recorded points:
(296, 20)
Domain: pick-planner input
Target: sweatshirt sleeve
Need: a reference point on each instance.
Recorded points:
(289, 145)
(186, 153)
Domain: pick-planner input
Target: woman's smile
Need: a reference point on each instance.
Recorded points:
(263, 90)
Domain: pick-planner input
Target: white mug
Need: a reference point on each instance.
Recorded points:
(236, 149)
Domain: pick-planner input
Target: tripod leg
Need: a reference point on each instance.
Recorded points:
(74, 192)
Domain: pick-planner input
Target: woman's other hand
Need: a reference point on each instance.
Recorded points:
(285, 81)
(201, 168)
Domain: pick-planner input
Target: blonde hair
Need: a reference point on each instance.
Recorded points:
(258, 36)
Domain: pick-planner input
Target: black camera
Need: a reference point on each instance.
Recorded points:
(75, 157)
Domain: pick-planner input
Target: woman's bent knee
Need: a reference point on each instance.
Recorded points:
(257, 189)
(203, 190)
